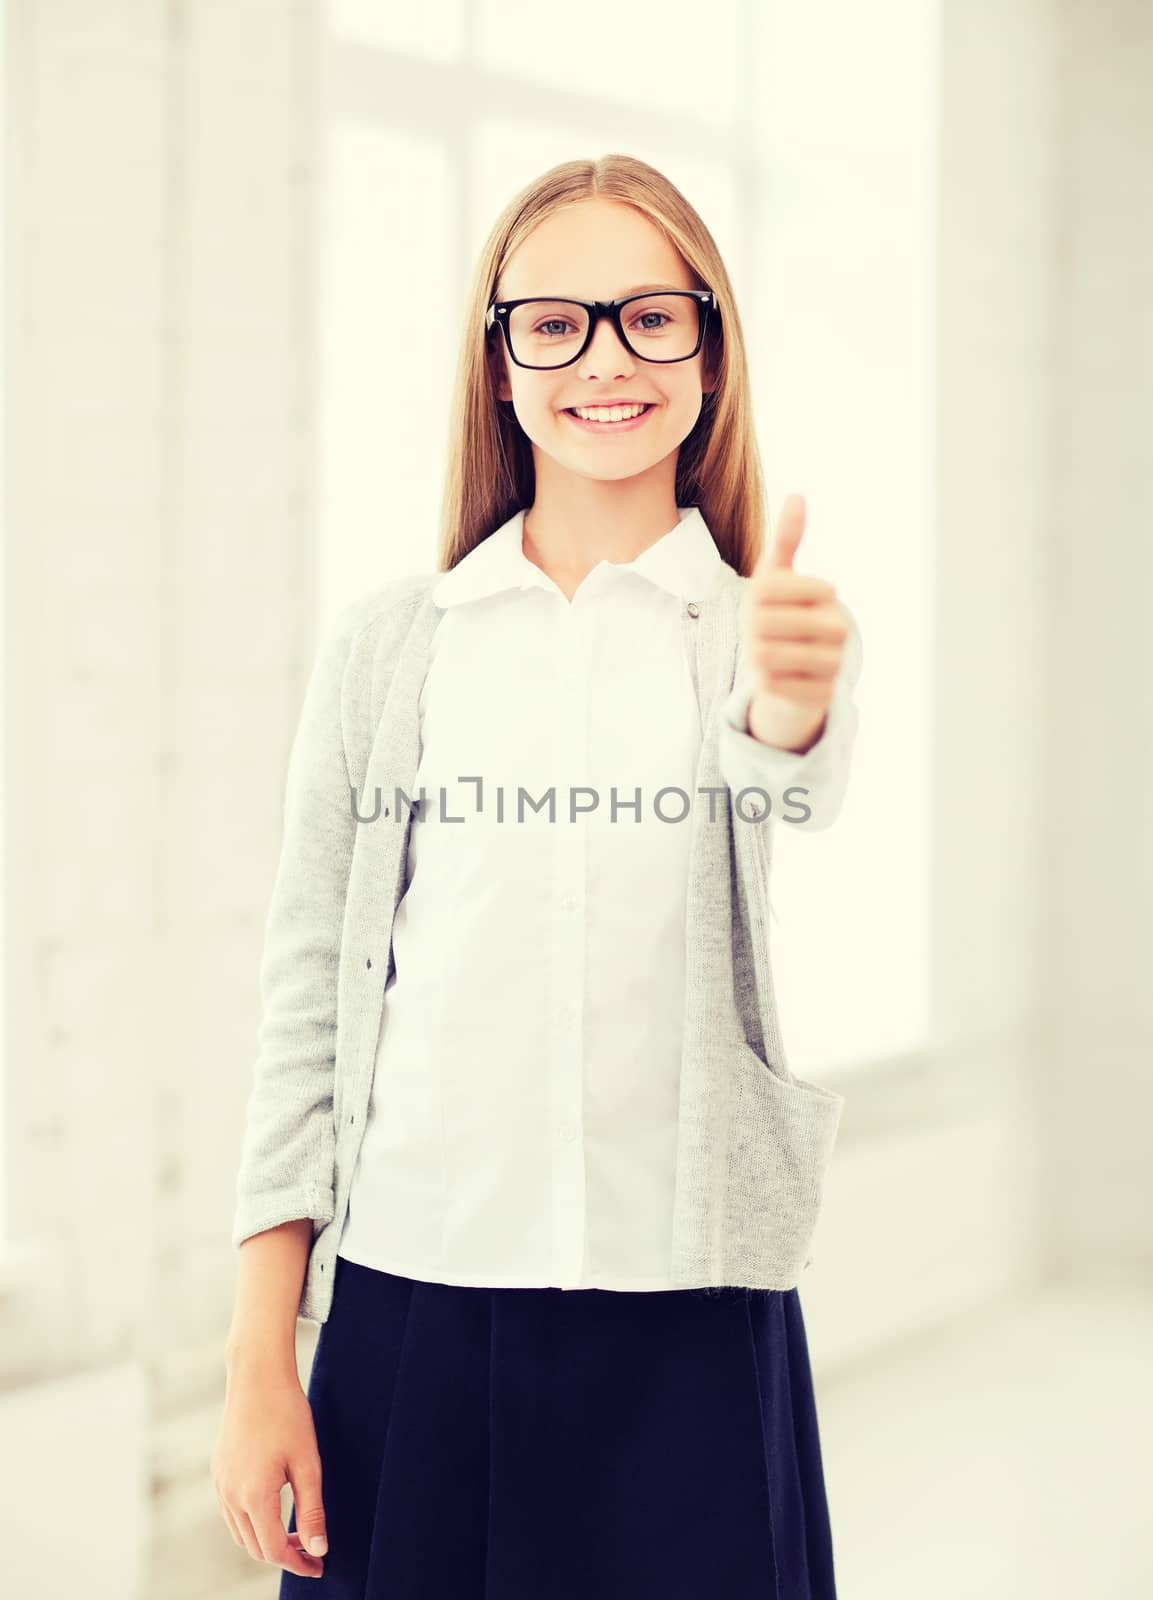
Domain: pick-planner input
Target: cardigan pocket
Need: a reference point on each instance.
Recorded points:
(780, 1143)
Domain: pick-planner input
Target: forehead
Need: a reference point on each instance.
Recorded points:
(593, 250)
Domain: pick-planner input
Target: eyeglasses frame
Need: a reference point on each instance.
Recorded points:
(498, 314)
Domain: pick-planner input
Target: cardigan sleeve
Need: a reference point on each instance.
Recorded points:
(288, 1151)
(814, 781)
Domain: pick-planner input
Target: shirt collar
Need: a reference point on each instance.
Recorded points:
(683, 561)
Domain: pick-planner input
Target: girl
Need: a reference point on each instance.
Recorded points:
(523, 1139)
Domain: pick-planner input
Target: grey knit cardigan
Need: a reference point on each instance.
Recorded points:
(754, 1141)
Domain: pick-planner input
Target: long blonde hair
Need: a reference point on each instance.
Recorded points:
(490, 467)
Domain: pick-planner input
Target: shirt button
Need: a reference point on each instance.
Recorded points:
(568, 1133)
(568, 902)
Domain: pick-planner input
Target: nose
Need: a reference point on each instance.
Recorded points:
(606, 354)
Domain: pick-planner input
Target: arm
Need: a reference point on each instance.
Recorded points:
(267, 1435)
(288, 1154)
(262, 1337)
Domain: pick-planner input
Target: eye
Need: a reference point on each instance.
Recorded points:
(652, 327)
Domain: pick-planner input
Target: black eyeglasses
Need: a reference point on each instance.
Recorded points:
(666, 325)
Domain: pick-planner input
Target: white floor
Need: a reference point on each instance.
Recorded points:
(1011, 1457)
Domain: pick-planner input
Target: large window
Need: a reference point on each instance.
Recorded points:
(846, 383)
(815, 171)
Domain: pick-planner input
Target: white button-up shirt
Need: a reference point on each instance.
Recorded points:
(523, 1114)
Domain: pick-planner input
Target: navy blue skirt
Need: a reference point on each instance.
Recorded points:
(550, 1444)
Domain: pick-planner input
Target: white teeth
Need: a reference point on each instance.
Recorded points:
(608, 413)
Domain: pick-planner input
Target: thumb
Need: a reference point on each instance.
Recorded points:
(309, 1511)
(790, 527)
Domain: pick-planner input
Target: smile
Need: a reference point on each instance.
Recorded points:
(625, 425)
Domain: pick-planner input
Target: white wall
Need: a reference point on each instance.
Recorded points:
(1095, 914)
(160, 565)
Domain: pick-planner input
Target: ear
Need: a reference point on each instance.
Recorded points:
(710, 367)
(498, 370)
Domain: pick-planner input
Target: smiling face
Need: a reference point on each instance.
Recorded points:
(599, 249)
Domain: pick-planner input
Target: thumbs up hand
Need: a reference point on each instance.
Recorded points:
(794, 631)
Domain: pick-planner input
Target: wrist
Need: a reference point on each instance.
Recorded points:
(265, 1360)
(779, 725)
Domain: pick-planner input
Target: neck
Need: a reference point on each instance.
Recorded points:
(575, 522)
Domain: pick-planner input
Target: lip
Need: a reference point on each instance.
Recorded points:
(614, 427)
